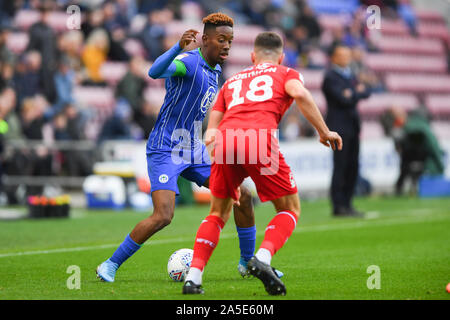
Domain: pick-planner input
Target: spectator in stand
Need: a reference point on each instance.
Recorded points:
(43, 39)
(7, 59)
(28, 80)
(71, 46)
(116, 27)
(7, 12)
(309, 20)
(8, 114)
(291, 128)
(65, 79)
(299, 34)
(147, 120)
(172, 5)
(153, 33)
(290, 53)
(118, 126)
(354, 35)
(406, 12)
(363, 73)
(66, 128)
(38, 160)
(94, 54)
(131, 88)
(12, 161)
(94, 20)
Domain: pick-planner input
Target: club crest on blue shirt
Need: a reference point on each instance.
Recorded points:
(208, 99)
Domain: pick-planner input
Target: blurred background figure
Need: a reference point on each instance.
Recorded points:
(82, 77)
(416, 144)
(95, 53)
(43, 40)
(343, 92)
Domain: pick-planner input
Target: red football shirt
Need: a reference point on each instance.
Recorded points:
(255, 97)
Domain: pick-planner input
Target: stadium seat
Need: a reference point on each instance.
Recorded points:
(430, 16)
(155, 95)
(409, 45)
(379, 102)
(433, 30)
(319, 99)
(406, 63)
(17, 42)
(313, 78)
(394, 27)
(438, 104)
(336, 6)
(25, 18)
(318, 57)
(177, 28)
(371, 130)
(100, 98)
(134, 47)
(137, 23)
(232, 69)
(332, 21)
(441, 129)
(241, 55)
(58, 21)
(246, 34)
(418, 83)
(113, 71)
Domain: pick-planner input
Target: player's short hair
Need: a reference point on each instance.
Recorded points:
(216, 20)
(268, 43)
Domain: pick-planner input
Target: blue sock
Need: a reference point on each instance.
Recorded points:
(247, 239)
(126, 249)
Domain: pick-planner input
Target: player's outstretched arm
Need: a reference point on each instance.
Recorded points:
(165, 66)
(308, 107)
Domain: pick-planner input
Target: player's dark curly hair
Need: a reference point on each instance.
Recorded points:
(217, 19)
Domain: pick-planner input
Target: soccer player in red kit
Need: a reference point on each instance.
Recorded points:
(242, 129)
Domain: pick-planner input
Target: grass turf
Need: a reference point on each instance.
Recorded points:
(325, 258)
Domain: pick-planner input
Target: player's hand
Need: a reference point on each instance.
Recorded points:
(188, 37)
(210, 137)
(331, 139)
(236, 202)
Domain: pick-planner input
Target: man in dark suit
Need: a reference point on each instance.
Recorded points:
(342, 92)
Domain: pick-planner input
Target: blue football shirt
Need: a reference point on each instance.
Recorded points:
(186, 103)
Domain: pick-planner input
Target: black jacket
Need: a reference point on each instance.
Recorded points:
(342, 113)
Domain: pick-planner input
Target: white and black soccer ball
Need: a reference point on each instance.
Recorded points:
(179, 263)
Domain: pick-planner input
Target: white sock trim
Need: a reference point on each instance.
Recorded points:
(264, 255)
(290, 215)
(194, 275)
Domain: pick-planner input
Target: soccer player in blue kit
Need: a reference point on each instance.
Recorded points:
(174, 147)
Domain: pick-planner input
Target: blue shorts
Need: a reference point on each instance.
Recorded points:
(163, 171)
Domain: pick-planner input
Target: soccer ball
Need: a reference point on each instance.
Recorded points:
(179, 263)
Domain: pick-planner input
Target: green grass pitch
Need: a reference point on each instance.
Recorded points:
(325, 258)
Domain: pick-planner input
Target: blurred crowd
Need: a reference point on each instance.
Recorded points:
(44, 75)
(37, 86)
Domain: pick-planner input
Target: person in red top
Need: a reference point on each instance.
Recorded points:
(242, 130)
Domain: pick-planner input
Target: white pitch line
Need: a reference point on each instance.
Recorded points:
(318, 228)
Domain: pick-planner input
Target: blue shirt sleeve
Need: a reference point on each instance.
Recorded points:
(164, 67)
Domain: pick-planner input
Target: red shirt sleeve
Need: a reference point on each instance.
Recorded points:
(220, 102)
(294, 74)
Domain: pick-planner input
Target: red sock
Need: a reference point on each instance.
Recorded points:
(206, 240)
(279, 230)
